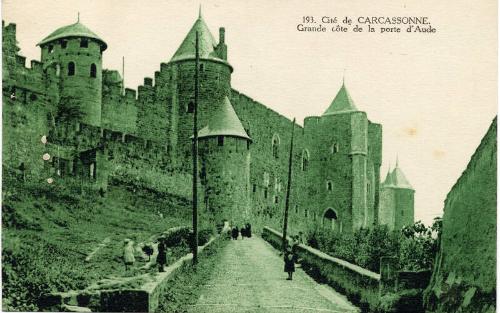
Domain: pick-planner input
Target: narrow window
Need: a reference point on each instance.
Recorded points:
(190, 108)
(276, 199)
(93, 71)
(329, 186)
(265, 193)
(220, 140)
(84, 43)
(305, 160)
(50, 48)
(64, 44)
(305, 213)
(254, 189)
(71, 68)
(202, 68)
(276, 143)
(335, 148)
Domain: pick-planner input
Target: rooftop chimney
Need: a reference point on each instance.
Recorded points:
(222, 35)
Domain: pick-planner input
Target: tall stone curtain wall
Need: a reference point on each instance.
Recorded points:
(145, 136)
(322, 178)
(268, 167)
(25, 110)
(464, 276)
(97, 149)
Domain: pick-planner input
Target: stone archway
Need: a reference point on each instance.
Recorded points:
(331, 220)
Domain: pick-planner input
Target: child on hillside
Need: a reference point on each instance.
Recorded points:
(128, 254)
(161, 259)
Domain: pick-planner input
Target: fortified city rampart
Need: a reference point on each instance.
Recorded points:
(97, 130)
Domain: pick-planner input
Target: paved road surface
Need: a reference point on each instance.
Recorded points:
(250, 278)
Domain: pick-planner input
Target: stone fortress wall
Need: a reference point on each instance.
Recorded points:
(146, 135)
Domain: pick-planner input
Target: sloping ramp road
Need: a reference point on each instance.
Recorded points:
(250, 278)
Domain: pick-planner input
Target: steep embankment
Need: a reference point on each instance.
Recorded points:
(50, 231)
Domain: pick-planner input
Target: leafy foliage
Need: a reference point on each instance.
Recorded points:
(415, 246)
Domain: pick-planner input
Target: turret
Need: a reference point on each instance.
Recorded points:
(215, 83)
(76, 54)
(396, 200)
(225, 165)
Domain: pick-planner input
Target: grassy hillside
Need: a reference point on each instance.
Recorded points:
(49, 230)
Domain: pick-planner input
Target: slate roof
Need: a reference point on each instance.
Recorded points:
(224, 122)
(399, 180)
(342, 103)
(207, 44)
(74, 30)
(388, 178)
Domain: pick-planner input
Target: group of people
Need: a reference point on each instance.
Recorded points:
(290, 254)
(245, 231)
(129, 253)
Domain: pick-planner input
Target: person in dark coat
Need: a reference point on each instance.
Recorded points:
(161, 259)
(249, 230)
(289, 263)
(235, 232)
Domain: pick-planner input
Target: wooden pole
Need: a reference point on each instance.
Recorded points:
(287, 201)
(195, 155)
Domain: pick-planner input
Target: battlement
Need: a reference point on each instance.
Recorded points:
(9, 29)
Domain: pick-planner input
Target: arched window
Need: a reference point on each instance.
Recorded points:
(93, 70)
(334, 148)
(71, 68)
(305, 160)
(329, 185)
(275, 146)
(331, 220)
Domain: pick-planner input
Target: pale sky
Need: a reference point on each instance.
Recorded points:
(434, 94)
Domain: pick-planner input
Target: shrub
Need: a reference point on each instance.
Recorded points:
(204, 235)
(415, 246)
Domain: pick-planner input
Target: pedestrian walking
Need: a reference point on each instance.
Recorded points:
(249, 230)
(235, 232)
(289, 263)
(161, 259)
(128, 254)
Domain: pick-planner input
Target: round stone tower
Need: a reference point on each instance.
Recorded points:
(397, 200)
(225, 166)
(215, 83)
(76, 52)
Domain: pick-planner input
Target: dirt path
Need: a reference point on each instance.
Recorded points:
(250, 278)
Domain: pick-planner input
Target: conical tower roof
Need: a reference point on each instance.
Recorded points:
(224, 122)
(399, 179)
(342, 103)
(388, 177)
(74, 30)
(207, 44)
